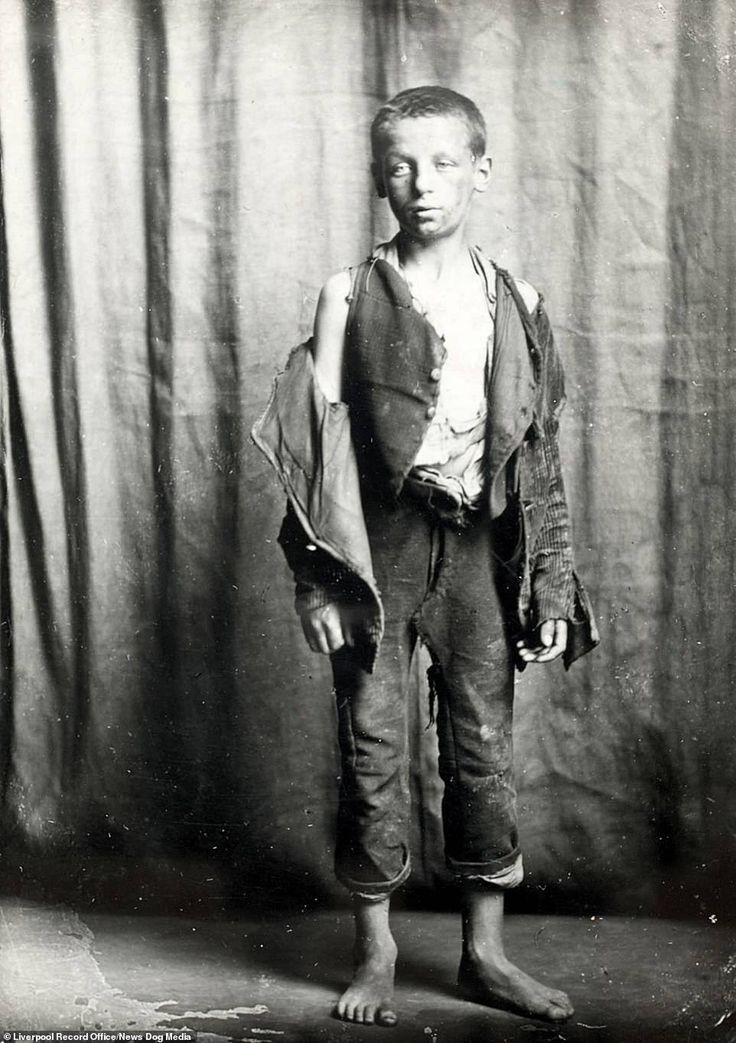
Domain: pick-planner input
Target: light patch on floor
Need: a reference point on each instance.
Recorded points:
(50, 975)
(231, 1012)
(50, 978)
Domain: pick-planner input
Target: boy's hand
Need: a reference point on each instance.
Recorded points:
(546, 643)
(323, 629)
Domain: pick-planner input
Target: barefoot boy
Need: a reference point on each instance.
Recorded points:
(416, 437)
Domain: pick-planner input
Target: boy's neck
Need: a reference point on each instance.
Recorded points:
(433, 258)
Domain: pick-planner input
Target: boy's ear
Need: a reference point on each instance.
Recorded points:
(483, 173)
(378, 180)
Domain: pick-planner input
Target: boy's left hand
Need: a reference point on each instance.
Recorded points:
(545, 643)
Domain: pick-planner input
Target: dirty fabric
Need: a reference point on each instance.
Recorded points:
(179, 179)
(440, 584)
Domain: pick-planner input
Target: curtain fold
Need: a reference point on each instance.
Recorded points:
(178, 180)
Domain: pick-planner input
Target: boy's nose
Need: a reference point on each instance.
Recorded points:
(424, 178)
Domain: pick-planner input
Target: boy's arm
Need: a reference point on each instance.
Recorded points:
(328, 345)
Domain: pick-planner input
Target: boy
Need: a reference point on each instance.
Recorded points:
(416, 437)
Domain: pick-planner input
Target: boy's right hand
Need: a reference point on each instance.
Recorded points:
(324, 630)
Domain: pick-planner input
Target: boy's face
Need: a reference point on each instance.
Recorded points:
(429, 175)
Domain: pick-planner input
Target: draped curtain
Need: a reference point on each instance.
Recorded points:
(178, 179)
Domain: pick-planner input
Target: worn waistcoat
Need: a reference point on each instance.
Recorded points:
(393, 367)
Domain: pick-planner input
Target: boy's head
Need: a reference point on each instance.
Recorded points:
(417, 102)
(429, 159)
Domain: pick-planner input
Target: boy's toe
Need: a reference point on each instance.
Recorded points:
(344, 1011)
(386, 1017)
(555, 1013)
(560, 1007)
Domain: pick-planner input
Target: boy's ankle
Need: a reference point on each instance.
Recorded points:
(488, 954)
(381, 946)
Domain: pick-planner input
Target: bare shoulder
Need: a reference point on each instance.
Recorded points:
(529, 295)
(329, 334)
(335, 291)
(332, 306)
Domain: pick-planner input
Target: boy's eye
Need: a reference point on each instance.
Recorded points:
(399, 170)
(444, 164)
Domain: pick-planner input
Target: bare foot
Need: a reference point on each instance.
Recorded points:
(368, 1000)
(500, 984)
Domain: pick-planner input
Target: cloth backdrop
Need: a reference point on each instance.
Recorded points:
(179, 178)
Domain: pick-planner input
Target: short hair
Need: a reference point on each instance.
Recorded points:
(429, 101)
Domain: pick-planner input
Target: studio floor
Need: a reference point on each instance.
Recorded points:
(276, 979)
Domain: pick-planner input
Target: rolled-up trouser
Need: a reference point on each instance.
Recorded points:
(440, 584)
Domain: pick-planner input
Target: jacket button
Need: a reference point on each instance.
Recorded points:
(435, 374)
(431, 412)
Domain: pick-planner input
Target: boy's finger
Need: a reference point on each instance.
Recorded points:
(557, 648)
(309, 636)
(323, 642)
(541, 654)
(334, 637)
(317, 637)
(550, 653)
(547, 632)
(553, 635)
(561, 632)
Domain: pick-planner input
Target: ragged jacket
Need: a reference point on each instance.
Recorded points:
(324, 451)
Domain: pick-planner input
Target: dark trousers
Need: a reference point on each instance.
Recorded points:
(439, 584)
